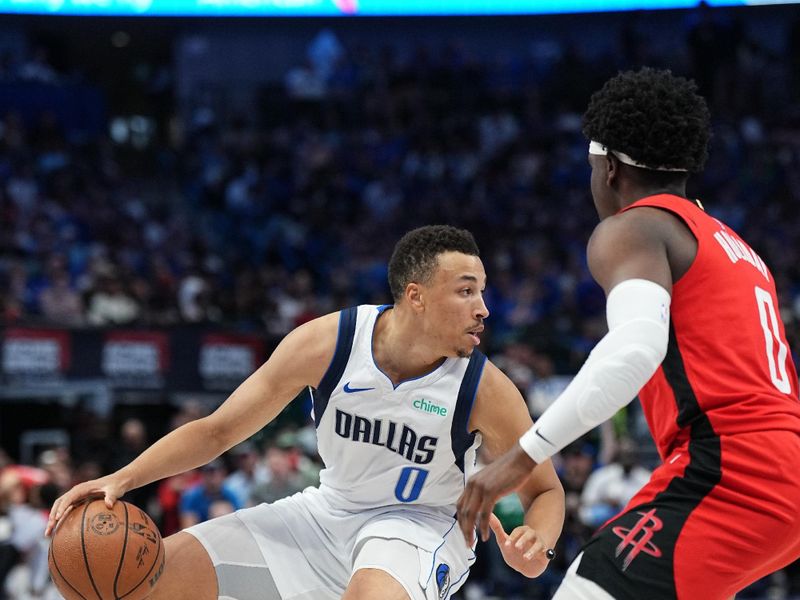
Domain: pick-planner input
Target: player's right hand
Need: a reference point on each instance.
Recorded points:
(111, 487)
(522, 549)
(491, 483)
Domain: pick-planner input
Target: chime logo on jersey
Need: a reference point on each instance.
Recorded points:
(442, 580)
(395, 437)
(429, 407)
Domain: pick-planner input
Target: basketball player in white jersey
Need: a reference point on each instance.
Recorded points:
(402, 399)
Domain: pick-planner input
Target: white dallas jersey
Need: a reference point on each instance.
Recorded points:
(384, 445)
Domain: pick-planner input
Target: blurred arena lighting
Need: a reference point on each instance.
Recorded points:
(317, 8)
(120, 39)
(136, 130)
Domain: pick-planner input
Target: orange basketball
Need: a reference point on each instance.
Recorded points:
(106, 554)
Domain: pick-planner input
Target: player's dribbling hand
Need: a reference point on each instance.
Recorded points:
(483, 489)
(522, 549)
(110, 487)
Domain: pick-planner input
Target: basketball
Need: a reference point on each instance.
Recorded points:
(110, 554)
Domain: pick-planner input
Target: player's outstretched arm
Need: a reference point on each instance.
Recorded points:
(500, 414)
(628, 257)
(300, 360)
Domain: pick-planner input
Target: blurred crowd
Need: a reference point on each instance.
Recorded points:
(263, 221)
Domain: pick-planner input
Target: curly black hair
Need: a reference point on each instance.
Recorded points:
(655, 117)
(415, 256)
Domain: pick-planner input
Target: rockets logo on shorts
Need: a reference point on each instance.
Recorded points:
(638, 538)
(443, 580)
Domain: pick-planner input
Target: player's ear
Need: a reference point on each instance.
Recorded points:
(414, 296)
(612, 169)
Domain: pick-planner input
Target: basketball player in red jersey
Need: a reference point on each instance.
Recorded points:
(695, 330)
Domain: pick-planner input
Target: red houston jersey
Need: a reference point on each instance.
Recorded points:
(727, 356)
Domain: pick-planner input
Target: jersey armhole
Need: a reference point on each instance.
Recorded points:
(341, 356)
(462, 439)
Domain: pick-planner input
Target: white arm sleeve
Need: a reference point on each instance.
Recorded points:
(622, 362)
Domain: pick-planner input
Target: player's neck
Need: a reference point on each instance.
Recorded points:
(397, 350)
(628, 194)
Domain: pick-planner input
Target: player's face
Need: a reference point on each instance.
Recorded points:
(601, 192)
(454, 306)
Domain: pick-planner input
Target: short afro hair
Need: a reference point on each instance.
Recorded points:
(415, 256)
(655, 117)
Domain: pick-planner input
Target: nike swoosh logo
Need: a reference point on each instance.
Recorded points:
(349, 390)
(544, 438)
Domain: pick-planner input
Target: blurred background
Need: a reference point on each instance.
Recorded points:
(182, 182)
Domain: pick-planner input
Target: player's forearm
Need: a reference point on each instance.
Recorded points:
(545, 515)
(624, 360)
(187, 447)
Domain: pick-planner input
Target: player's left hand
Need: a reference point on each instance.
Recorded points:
(483, 489)
(522, 549)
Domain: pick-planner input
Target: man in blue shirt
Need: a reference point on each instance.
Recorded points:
(197, 500)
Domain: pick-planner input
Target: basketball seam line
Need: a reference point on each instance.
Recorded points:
(155, 562)
(60, 574)
(124, 550)
(83, 549)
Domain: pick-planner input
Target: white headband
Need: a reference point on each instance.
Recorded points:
(601, 150)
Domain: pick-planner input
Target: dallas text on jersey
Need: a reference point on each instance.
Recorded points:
(408, 443)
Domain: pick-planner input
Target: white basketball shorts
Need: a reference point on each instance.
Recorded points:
(301, 548)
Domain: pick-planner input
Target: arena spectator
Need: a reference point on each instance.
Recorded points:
(196, 502)
(609, 488)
